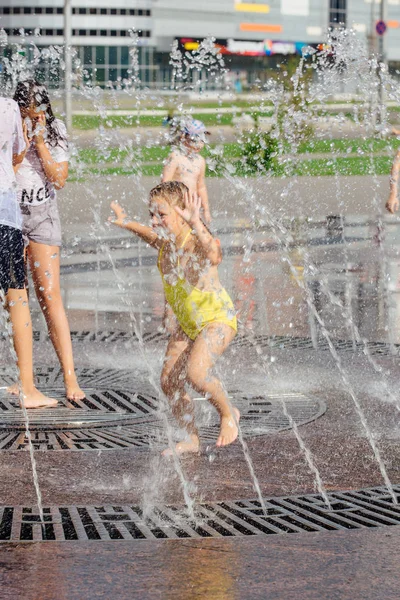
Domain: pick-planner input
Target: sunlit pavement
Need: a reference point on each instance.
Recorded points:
(349, 273)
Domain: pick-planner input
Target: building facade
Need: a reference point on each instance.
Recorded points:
(253, 36)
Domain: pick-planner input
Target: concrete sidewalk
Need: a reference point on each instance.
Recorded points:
(85, 205)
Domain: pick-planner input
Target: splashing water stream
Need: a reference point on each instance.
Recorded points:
(361, 69)
(7, 328)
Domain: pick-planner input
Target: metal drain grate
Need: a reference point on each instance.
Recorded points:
(109, 419)
(292, 514)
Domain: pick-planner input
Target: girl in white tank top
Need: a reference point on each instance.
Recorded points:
(43, 171)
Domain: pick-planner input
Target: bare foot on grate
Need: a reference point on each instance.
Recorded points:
(192, 445)
(229, 428)
(72, 389)
(35, 399)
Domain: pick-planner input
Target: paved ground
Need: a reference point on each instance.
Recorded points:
(360, 276)
(361, 565)
(85, 205)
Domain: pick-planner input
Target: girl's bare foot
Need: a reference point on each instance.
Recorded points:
(13, 389)
(73, 391)
(191, 445)
(229, 428)
(35, 399)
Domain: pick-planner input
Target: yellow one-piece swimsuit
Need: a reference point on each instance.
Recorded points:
(195, 308)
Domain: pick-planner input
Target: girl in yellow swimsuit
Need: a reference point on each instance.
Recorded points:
(205, 321)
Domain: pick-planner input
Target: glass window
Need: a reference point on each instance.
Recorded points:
(60, 10)
(82, 32)
(37, 10)
(112, 74)
(49, 10)
(40, 75)
(100, 55)
(124, 55)
(6, 10)
(337, 13)
(17, 10)
(88, 73)
(113, 33)
(124, 73)
(103, 11)
(132, 11)
(123, 11)
(122, 33)
(93, 32)
(48, 32)
(100, 75)
(92, 11)
(140, 12)
(82, 11)
(113, 55)
(103, 32)
(87, 55)
(27, 10)
(113, 11)
(74, 11)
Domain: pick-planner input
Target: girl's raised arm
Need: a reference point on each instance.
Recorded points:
(121, 220)
(191, 214)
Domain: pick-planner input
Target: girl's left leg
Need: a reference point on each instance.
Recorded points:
(44, 262)
(208, 346)
(173, 379)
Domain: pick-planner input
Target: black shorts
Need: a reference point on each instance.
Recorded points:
(12, 264)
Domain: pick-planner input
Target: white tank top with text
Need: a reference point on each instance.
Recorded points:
(33, 187)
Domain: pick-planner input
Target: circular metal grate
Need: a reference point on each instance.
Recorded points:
(118, 412)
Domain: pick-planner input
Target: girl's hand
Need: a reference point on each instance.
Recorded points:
(40, 129)
(120, 214)
(191, 212)
(26, 138)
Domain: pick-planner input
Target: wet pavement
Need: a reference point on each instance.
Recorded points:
(299, 287)
(360, 564)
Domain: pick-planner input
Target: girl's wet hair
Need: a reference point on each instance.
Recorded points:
(173, 192)
(31, 93)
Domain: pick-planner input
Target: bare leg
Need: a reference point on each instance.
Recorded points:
(44, 262)
(208, 346)
(173, 380)
(17, 305)
(170, 324)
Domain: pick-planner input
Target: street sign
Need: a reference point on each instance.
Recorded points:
(380, 27)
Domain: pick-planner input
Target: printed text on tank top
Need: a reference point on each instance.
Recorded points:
(35, 196)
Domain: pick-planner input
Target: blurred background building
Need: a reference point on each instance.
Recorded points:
(253, 36)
